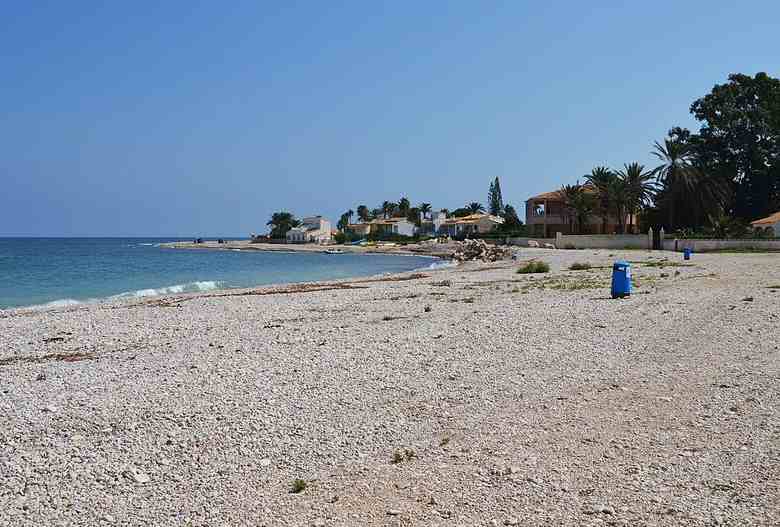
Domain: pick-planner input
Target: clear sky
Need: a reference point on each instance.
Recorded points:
(201, 118)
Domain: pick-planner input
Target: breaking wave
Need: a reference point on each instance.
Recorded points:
(63, 302)
(192, 287)
(443, 264)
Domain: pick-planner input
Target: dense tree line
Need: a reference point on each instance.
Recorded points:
(727, 174)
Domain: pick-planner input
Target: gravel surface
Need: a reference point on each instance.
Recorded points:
(467, 396)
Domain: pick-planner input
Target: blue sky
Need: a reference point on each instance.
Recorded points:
(196, 118)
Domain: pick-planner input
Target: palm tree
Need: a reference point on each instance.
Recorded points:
(678, 171)
(578, 204)
(639, 189)
(425, 208)
(349, 214)
(388, 207)
(403, 206)
(363, 213)
(602, 179)
(475, 207)
(343, 222)
(281, 222)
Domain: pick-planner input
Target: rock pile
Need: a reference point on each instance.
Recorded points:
(470, 250)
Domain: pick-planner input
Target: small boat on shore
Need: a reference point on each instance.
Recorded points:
(334, 251)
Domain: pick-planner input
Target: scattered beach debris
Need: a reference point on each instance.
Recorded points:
(479, 250)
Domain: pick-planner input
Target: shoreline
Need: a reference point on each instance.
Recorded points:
(128, 299)
(443, 251)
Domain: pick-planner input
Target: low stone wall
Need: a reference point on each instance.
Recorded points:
(603, 241)
(703, 246)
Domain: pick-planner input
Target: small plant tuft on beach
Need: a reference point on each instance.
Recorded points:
(445, 441)
(298, 486)
(579, 266)
(534, 266)
(407, 454)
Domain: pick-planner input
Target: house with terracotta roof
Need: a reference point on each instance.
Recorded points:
(770, 222)
(546, 215)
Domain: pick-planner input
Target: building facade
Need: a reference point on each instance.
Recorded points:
(769, 223)
(547, 214)
(314, 229)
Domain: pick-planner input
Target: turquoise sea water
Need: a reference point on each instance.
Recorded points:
(63, 271)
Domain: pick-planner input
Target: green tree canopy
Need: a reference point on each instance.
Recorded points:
(280, 223)
(403, 207)
(363, 213)
(740, 136)
(495, 199)
(603, 180)
(512, 222)
(475, 207)
(639, 188)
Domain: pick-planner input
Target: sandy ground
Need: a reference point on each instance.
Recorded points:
(468, 396)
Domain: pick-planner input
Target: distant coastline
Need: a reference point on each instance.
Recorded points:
(416, 249)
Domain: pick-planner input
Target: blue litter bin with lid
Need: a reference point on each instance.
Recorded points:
(621, 279)
(687, 253)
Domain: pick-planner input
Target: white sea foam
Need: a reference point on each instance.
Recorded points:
(191, 287)
(63, 302)
(443, 264)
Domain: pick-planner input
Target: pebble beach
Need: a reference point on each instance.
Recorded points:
(470, 395)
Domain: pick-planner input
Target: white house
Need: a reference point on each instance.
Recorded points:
(770, 222)
(471, 224)
(314, 229)
(401, 226)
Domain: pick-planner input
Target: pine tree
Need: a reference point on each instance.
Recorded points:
(495, 200)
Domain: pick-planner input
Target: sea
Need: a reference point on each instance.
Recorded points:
(51, 272)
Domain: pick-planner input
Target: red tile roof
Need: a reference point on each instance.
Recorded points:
(769, 220)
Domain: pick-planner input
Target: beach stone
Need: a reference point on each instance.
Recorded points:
(138, 476)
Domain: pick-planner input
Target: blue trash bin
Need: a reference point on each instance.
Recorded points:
(621, 279)
(687, 253)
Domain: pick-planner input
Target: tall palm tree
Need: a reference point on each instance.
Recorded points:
(603, 180)
(403, 206)
(388, 207)
(682, 178)
(475, 207)
(363, 213)
(578, 204)
(639, 188)
(425, 208)
(349, 214)
(678, 172)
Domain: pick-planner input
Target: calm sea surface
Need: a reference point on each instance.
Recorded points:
(63, 271)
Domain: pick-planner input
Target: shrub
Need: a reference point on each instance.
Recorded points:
(298, 486)
(534, 266)
(579, 266)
